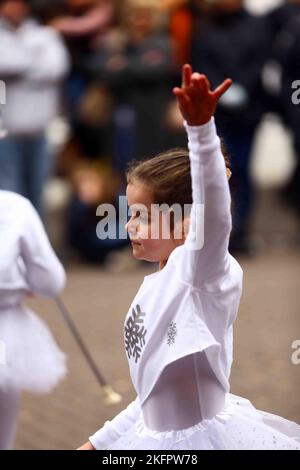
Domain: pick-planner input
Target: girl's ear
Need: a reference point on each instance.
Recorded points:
(229, 173)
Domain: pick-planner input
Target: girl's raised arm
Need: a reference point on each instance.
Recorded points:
(204, 258)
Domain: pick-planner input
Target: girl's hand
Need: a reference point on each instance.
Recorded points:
(196, 101)
(87, 446)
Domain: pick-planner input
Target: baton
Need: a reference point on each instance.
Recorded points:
(110, 397)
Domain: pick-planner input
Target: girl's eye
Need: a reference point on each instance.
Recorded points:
(141, 216)
(133, 214)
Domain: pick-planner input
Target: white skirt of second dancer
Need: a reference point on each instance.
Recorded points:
(30, 357)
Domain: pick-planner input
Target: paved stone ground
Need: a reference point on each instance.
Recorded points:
(267, 325)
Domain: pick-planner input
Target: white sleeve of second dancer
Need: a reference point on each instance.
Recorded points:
(114, 429)
(44, 273)
(204, 259)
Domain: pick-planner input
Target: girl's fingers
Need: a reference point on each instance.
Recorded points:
(182, 97)
(177, 91)
(200, 82)
(207, 82)
(222, 88)
(195, 81)
(186, 75)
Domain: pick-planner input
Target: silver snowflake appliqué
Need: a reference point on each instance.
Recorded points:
(135, 333)
(172, 333)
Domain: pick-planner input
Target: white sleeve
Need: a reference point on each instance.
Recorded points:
(44, 273)
(204, 259)
(114, 429)
(51, 60)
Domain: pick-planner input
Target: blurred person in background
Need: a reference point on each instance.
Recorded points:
(284, 24)
(116, 69)
(229, 41)
(93, 184)
(135, 65)
(86, 159)
(83, 25)
(181, 23)
(126, 101)
(33, 62)
(291, 100)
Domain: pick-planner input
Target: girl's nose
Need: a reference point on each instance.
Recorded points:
(130, 227)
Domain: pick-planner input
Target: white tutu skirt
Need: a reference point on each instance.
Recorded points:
(238, 427)
(30, 358)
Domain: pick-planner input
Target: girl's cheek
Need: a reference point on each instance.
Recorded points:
(142, 231)
(150, 231)
(153, 231)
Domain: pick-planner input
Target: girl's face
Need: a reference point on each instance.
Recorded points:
(148, 227)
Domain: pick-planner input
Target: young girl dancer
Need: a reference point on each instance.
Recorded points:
(29, 358)
(178, 331)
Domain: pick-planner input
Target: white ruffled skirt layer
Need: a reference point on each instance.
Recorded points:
(29, 356)
(240, 426)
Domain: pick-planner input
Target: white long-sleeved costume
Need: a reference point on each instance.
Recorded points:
(178, 336)
(32, 360)
(33, 61)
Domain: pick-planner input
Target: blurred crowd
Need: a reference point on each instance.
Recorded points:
(108, 68)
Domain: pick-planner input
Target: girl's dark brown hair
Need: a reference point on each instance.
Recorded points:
(168, 175)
